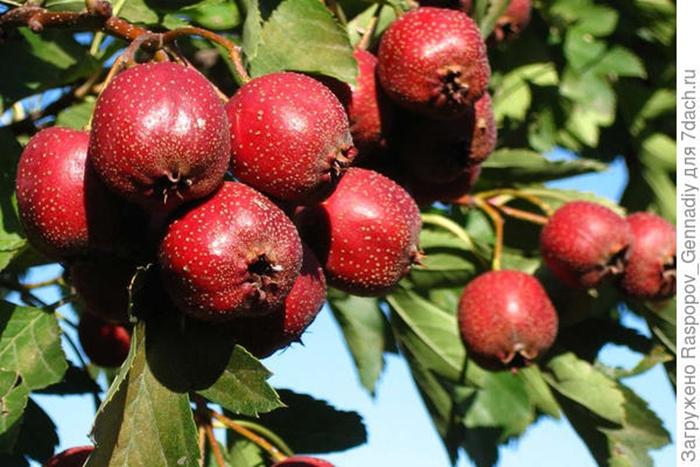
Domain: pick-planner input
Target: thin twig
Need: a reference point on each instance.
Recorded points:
(522, 215)
(497, 221)
(215, 449)
(202, 435)
(274, 453)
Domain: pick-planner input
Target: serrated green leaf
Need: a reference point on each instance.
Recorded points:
(252, 29)
(13, 399)
(367, 334)
(538, 391)
(582, 49)
(302, 35)
(310, 425)
(12, 241)
(510, 166)
(30, 344)
(144, 423)
(581, 382)
(78, 115)
(620, 61)
(512, 98)
(245, 453)
(597, 20)
(41, 62)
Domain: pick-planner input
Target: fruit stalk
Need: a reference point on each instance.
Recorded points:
(520, 214)
(274, 453)
(497, 221)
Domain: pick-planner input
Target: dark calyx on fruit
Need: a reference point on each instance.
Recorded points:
(264, 335)
(365, 234)
(65, 209)
(160, 136)
(651, 266)
(71, 457)
(106, 344)
(506, 319)
(511, 23)
(433, 61)
(438, 151)
(235, 253)
(290, 137)
(584, 243)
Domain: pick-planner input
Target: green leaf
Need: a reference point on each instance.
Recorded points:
(30, 344)
(430, 333)
(13, 399)
(620, 61)
(302, 35)
(75, 381)
(216, 15)
(367, 334)
(252, 29)
(538, 391)
(582, 383)
(449, 261)
(144, 423)
(77, 115)
(523, 166)
(41, 62)
(12, 242)
(359, 24)
(310, 425)
(244, 453)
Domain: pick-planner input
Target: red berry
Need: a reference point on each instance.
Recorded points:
(71, 457)
(584, 243)
(234, 253)
(433, 61)
(650, 273)
(365, 234)
(103, 285)
(106, 344)
(302, 461)
(63, 206)
(511, 23)
(290, 137)
(426, 193)
(369, 111)
(264, 335)
(506, 318)
(160, 136)
(441, 151)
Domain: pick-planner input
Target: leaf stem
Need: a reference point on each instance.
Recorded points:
(497, 221)
(370, 28)
(269, 434)
(522, 215)
(215, 449)
(520, 194)
(450, 226)
(202, 437)
(274, 453)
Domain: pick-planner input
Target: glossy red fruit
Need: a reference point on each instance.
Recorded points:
(235, 253)
(71, 457)
(103, 286)
(160, 136)
(433, 61)
(302, 461)
(650, 273)
(426, 193)
(511, 23)
(365, 234)
(290, 137)
(506, 319)
(584, 243)
(442, 151)
(369, 111)
(106, 344)
(63, 206)
(262, 336)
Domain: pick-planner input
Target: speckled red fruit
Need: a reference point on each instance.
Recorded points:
(264, 335)
(106, 344)
(235, 253)
(506, 314)
(290, 137)
(513, 20)
(103, 286)
(650, 272)
(426, 193)
(583, 243)
(63, 206)
(442, 151)
(160, 136)
(369, 111)
(302, 461)
(71, 457)
(433, 61)
(365, 234)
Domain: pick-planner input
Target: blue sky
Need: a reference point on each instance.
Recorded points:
(399, 429)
